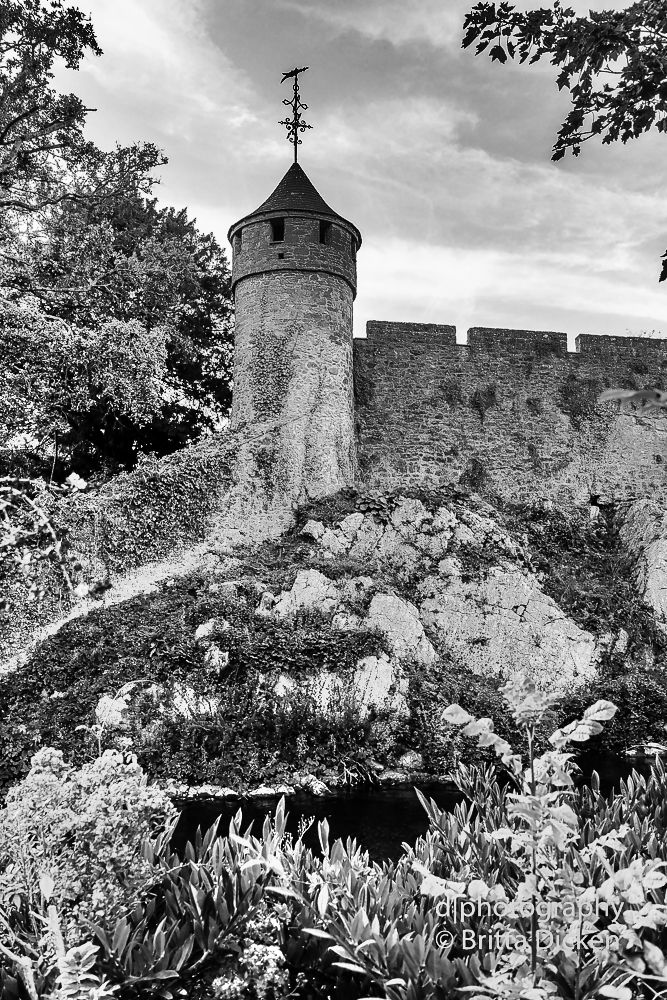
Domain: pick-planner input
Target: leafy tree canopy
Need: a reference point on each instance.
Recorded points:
(146, 269)
(44, 158)
(613, 63)
(82, 242)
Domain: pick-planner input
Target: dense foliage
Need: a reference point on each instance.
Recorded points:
(118, 323)
(630, 44)
(115, 314)
(572, 879)
(84, 828)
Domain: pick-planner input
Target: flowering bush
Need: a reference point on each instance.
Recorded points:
(84, 829)
(262, 961)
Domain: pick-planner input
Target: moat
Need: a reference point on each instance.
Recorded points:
(380, 818)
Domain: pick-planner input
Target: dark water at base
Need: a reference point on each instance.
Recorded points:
(381, 818)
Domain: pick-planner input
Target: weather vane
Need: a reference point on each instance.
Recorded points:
(296, 124)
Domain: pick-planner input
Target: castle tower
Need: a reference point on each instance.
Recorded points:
(294, 282)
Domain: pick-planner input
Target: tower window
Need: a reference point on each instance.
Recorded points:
(353, 246)
(325, 232)
(278, 230)
(238, 241)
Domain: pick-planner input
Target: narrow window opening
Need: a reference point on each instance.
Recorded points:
(278, 230)
(353, 247)
(238, 242)
(325, 232)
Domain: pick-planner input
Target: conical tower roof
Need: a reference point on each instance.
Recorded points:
(295, 194)
(295, 191)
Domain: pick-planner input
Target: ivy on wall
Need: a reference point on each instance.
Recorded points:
(578, 398)
(483, 399)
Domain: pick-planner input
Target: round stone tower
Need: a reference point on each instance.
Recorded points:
(294, 281)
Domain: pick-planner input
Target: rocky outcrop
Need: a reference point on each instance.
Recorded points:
(497, 623)
(377, 682)
(399, 623)
(415, 540)
(506, 625)
(643, 532)
(475, 599)
(311, 590)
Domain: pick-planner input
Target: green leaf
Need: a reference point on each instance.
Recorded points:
(601, 711)
(46, 886)
(323, 900)
(350, 967)
(498, 54)
(655, 959)
(474, 728)
(316, 932)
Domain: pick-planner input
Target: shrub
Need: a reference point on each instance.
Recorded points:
(524, 837)
(579, 878)
(84, 829)
(641, 698)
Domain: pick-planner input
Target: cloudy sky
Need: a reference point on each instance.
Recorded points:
(440, 158)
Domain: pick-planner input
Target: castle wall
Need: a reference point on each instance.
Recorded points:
(511, 412)
(293, 366)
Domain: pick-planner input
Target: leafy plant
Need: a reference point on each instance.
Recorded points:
(193, 913)
(627, 44)
(529, 842)
(84, 829)
(111, 711)
(375, 502)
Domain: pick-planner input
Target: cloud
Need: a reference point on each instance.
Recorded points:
(404, 280)
(388, 20)
(441, 159)
(452, 193)
(155, 54)
(431, 22)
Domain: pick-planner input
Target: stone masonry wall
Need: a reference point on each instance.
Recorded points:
(511, 412)
(301, 248)
(293, 366)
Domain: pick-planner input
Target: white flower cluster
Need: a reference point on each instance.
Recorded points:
(262, 960)
(228, 987)
(264, 967)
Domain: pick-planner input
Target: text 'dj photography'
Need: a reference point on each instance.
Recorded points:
(577, 921)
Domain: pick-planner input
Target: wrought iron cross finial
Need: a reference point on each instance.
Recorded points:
(296, 124)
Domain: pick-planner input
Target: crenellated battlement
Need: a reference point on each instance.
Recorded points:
(635, 347)
(512, 411)
(497, 339)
